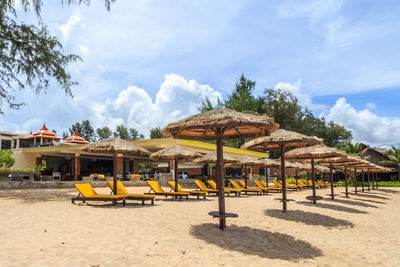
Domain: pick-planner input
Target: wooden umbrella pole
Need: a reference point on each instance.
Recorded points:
(245, 175)
(376, 181)
(369, 180)
(355, 179)
(297, 182)
(331, 173)
(115, 166)
(284, 200)
(220, 182)
(346, 181)
(362, 180)
(313, 180)
(266, 176)
(176, 174)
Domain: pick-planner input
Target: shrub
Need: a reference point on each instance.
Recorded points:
(6, 159)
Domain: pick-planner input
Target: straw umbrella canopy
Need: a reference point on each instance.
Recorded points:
(356, 162)
(212, 158)
(314, 152)
(115, 146)
(247, 161)
(175, 153)
(281, 140)
(219, 124)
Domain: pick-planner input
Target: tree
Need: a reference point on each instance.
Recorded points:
(29, 55)
(84, 130)
(206, 105)
(394, 158)
(156, 133)
(242, 98)
(103, 133)
(6, 159)
(353, 149)
(124, 133)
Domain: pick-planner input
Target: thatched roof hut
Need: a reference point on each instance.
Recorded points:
(233, 124)
(115, 145)
(212, 158)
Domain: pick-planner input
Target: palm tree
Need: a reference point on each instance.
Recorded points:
(394, 158)
(355, 150)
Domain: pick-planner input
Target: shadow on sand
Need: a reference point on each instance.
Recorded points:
(309, 218)
(350, 202)
(390, 191)
(331, 206)
(368, 200)
(256, 242)
(36, 195)
(365, 194)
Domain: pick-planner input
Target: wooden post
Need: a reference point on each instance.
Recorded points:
(220, 182)
(331, 173)
(297, 182)
(362, 179)
(77, 166)
(346, 181)
(376, 181)
(355, 179)
(373, 181)
(245, 176)
(369, 180)
(115, 171)
(284, 199)
(313, 180)
(176, 174)
(266, 176)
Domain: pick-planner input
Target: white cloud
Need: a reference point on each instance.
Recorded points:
(295, 89)
(68, 26)
(370, 105)
(366, 126)
(177, 98)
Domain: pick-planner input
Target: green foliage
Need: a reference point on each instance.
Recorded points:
(156, 133)
(124, 133)
(103, 133)
(84, 130)
(394, 158)
(39, 167)
(6, 159)
(353, 149)
(283, 106)
(206, 105)
(16, 170)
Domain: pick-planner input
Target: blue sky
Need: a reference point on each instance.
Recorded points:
(147, 63)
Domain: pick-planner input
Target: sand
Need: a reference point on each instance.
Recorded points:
(40, 227)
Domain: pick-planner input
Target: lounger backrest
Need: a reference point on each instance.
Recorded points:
(86, 190)
(235, 185)
(155, 186)
(259, 184)
(276, 183)
(201, 185)
(172, 185)
(121, 190)
(243, 184)
(212, 184)
(263, 183)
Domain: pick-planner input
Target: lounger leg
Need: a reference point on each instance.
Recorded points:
(142, 202)
(198, 196)
(187, 198)
(114, 202)
(152, 202)
(72, 200)
(123, 202)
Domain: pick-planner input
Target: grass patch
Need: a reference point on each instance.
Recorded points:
(359, 183)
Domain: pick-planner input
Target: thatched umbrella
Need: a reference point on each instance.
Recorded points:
(115, 146)
(212, 158)
(247, 161)
(219, 124)
(312, 153)
(269, 163)
(281, 140)
(175, 153)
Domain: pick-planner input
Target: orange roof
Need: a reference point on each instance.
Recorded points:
(43, 133)
(75, 138)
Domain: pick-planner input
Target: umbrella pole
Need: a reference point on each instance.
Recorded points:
(373, 181)
(297, 182)
(331, 173)
(355, 179)
(245, 176)
(115, 164)
(220, 182)
(284, 200)
(376, 181)
(362, 179)
(176, 174)
(369, 180)
(346, 181)
(266, 176)
(313, 180)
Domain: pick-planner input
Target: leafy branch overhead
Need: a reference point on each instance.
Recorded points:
(29, 55)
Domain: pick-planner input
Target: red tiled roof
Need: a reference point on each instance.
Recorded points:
(75, 138)
(43, 133)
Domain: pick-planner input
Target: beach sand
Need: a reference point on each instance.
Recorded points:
(40, 227)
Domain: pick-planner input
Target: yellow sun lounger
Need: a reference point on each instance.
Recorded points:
(226, 190)
(204, 188)
(155, 186)
(246, 190)
(316, 184)
(263, 186)
(87, 193)
(303, 183)
(292, 186)
(121, 190)
(243, 185)
(180, 189)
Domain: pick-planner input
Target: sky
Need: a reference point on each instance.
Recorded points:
(148, 63)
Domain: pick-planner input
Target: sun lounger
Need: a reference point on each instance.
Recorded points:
(320, 183)
(204, 188)
(121, 190)
(194, 192)
(157, 189)
(246, 190)
(263, 186)
(292, 186)
(226, 190)
(316, 184)
(303, 183)
(326, 184)
(87, 193)
(279, 185)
